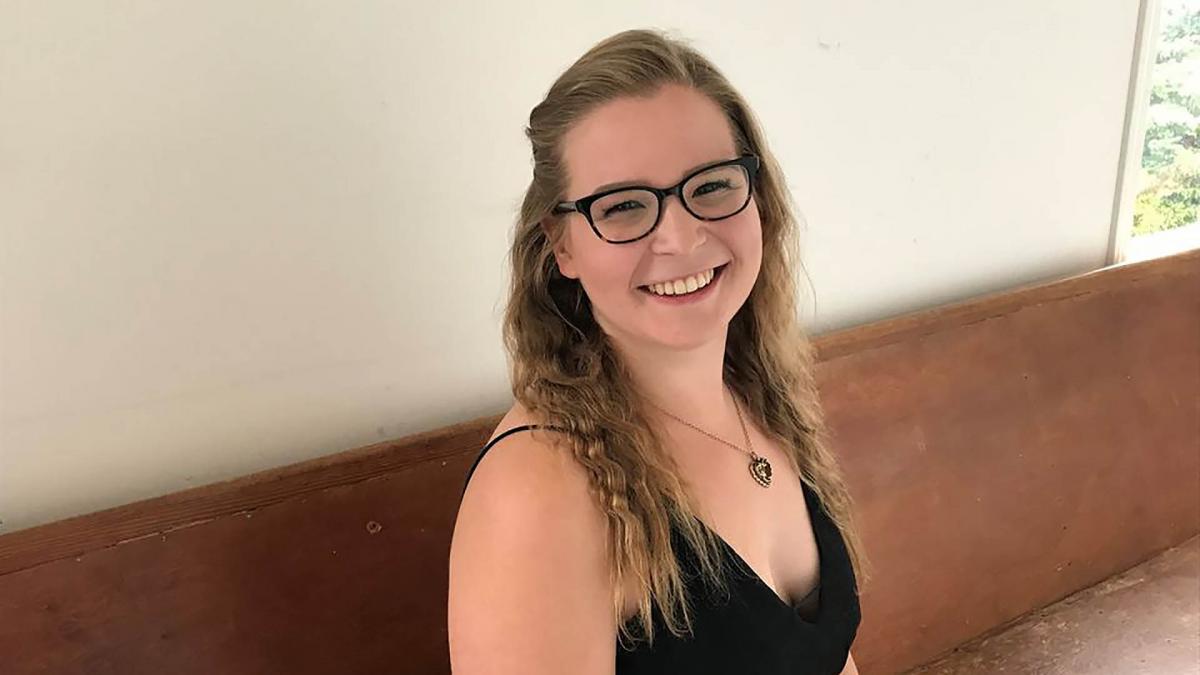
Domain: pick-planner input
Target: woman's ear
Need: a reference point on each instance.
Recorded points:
(562, 252)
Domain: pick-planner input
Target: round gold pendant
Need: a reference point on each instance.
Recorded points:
(760, 469)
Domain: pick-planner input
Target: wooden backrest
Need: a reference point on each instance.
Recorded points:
(1003, 453)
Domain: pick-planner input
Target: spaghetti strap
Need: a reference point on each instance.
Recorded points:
(523, 427)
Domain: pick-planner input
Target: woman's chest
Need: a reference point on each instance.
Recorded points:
(769, 528)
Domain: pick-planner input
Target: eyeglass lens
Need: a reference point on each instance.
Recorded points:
(717, 193)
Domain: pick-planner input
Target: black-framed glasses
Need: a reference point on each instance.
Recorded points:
(626, 214)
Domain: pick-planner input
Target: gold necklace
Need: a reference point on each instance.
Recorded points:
(760, 468)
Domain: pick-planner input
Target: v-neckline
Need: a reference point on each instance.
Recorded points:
(779, 600)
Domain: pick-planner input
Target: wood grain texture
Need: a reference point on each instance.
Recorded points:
(1142, 620)
(196, 506)
(1003, 453)
(1018, 453)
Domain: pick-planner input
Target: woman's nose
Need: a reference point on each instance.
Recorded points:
(679, 232)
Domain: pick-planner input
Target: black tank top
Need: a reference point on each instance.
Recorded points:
(751, 631)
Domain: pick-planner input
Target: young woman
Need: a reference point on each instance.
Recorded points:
(658, 499)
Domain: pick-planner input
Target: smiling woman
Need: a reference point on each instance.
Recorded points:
(672, 506)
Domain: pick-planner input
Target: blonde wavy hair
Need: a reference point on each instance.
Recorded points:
(566, 373)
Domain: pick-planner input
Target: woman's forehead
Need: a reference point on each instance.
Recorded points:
(654, 139)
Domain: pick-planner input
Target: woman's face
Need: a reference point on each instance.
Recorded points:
(657, 141)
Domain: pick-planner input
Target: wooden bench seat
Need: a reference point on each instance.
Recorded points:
(1144, 620)
(1003, 453)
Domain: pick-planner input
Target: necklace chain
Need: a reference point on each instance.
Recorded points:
(713, 436)
(760, 468)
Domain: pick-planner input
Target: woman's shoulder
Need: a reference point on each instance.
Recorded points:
(527, 484)
(518, 415)
(533, 458)
(528, 552)
(525, 475)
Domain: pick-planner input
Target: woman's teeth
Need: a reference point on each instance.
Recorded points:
(682, 286)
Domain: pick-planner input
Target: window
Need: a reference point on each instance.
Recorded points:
(1160, 200)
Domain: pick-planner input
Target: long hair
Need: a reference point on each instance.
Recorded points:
(566, 373)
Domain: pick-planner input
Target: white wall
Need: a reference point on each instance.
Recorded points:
(235, 235)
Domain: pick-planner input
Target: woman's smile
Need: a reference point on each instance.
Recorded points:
(686, 290)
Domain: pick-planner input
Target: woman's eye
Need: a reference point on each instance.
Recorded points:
(627, 205)
(711, 187)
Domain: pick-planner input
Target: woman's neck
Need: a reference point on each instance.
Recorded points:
(688, 383)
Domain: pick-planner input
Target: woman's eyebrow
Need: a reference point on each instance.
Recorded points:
(630, 183)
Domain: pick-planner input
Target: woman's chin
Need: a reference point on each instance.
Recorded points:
(689, 340)
(666, 334)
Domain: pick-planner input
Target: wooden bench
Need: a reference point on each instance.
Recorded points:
(1143, 620)
(1004, 453)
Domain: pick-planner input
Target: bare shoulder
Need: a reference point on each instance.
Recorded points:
(526, 467)
(529, 583)
(517, 415)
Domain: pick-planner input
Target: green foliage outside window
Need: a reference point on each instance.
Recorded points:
(1170, 173)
